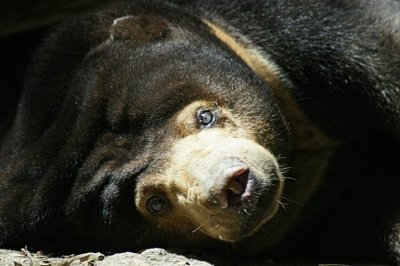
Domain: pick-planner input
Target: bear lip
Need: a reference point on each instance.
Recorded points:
(252, 193)
(249, 187)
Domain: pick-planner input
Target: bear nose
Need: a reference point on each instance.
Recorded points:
(234, 182)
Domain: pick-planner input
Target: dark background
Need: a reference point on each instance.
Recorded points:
(23, 24)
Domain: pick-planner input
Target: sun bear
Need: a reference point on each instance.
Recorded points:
(257, 128)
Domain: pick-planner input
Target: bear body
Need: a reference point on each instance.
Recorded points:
(273, 126)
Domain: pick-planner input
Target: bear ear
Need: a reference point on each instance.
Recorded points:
(141, 28)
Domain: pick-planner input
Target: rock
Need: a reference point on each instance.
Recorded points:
(155, 256)
(149, 257)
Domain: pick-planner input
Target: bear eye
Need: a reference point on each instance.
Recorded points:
(157, 205)
(206, 117)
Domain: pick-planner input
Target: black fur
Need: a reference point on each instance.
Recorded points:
(88, 99)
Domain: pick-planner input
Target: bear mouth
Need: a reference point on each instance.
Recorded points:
(257, 194)
(260, 204)
(252, 193)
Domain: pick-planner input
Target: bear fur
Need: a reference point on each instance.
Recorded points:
(257, 127)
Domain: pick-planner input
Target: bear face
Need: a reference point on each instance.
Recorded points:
(199, 143)
(214, 178)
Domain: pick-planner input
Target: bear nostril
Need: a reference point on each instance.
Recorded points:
(236, 182)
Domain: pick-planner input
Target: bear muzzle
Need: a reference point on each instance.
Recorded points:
(234, 199)
(223, 185)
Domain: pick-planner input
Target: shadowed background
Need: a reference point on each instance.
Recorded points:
(23, 24)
